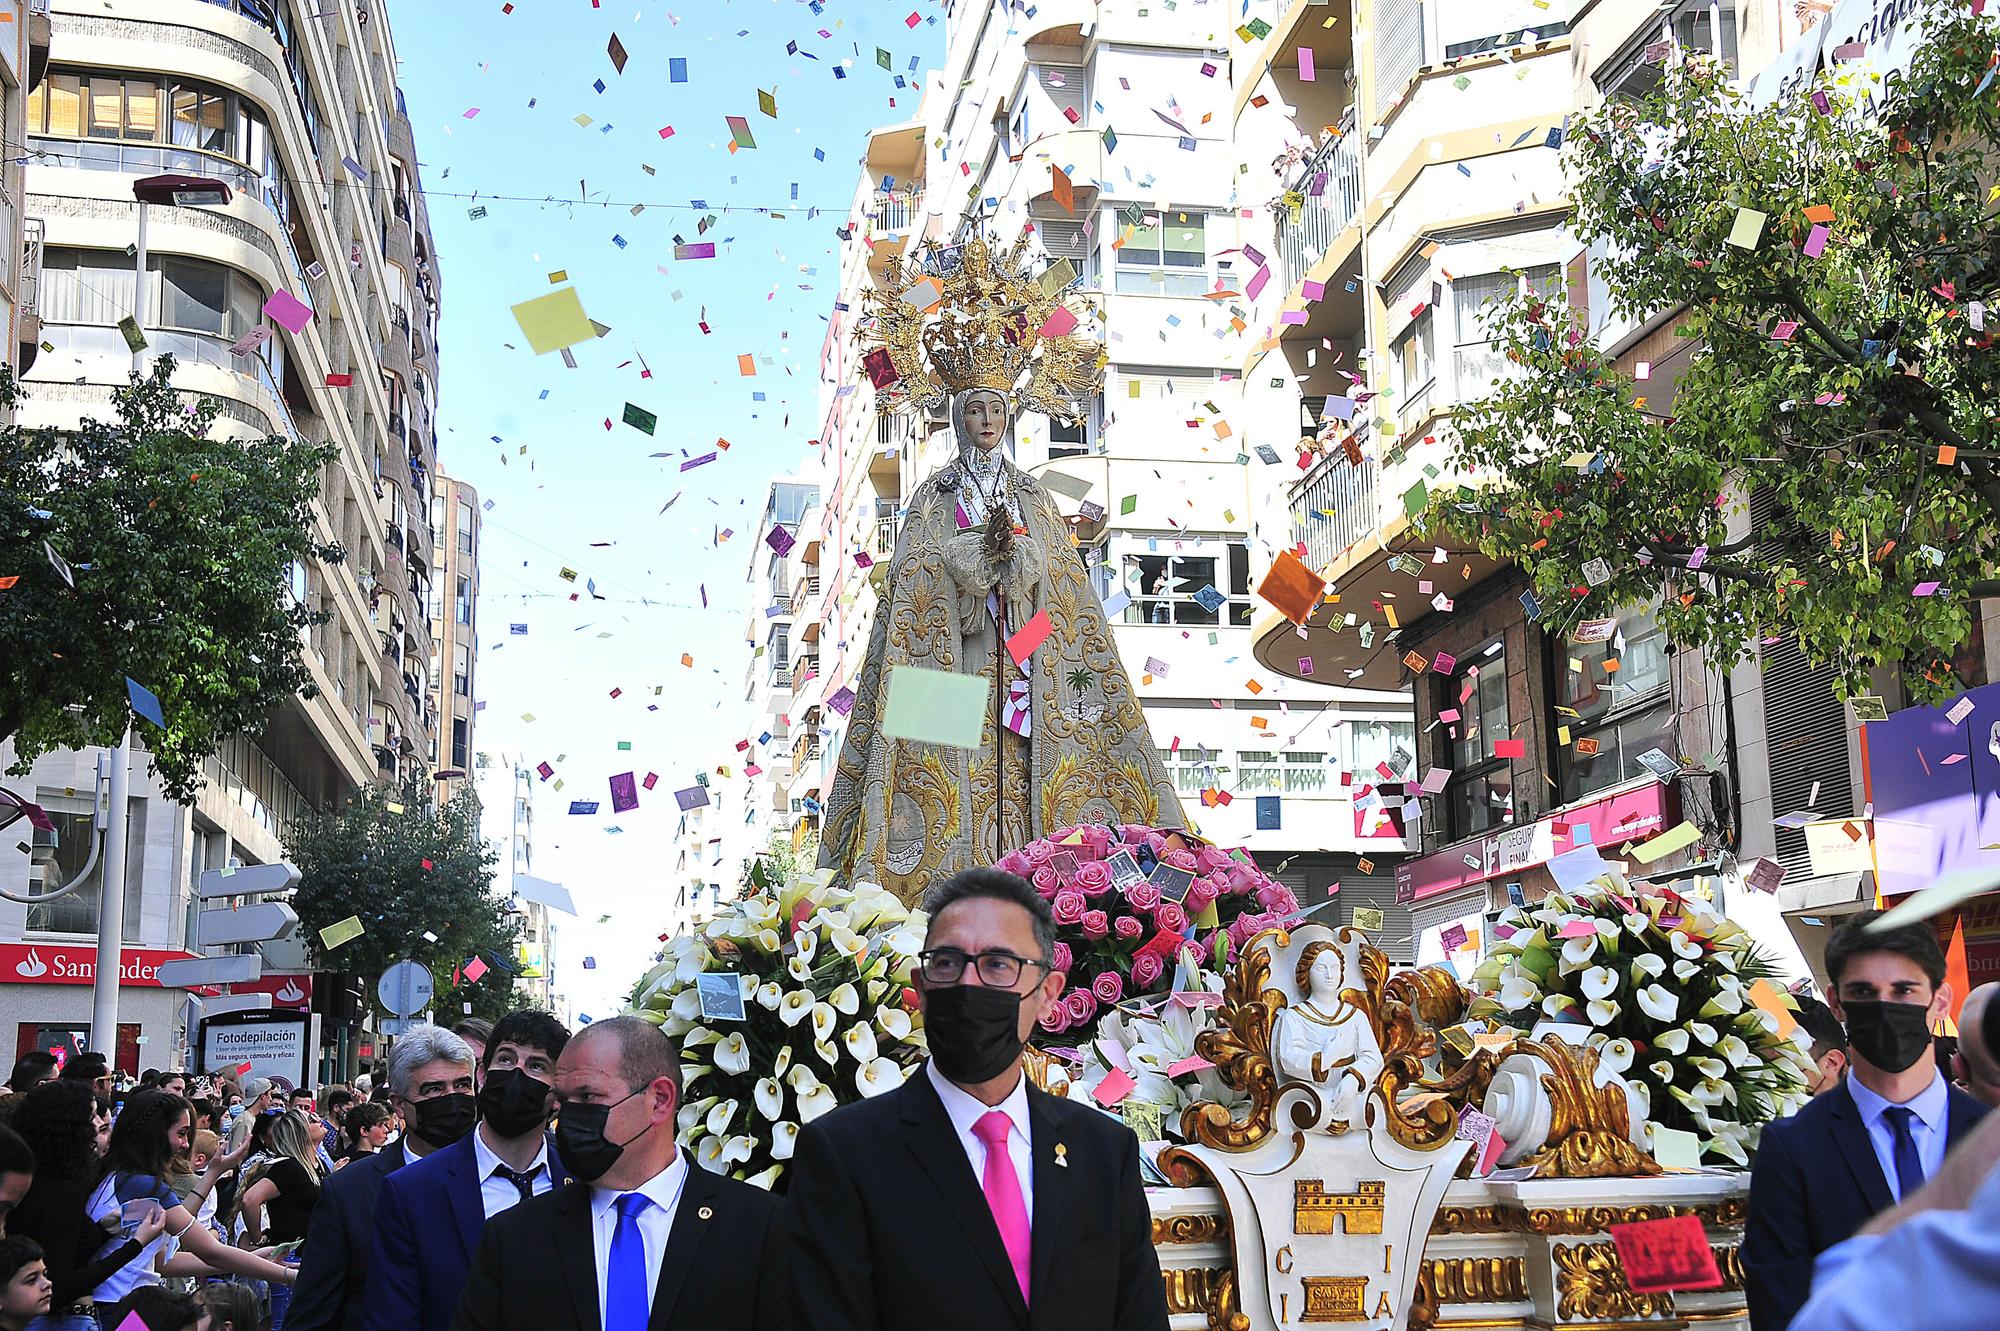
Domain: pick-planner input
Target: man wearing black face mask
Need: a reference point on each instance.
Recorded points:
(966, 1197)
(428, 1067)
(433, 1213)
(1862, 1147)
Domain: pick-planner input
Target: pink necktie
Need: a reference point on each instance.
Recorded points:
(1003, 1192)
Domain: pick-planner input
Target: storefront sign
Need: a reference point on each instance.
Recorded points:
(1628, 815)
(76, 963)
(286, 991)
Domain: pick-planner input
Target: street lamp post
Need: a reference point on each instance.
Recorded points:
(188, 192)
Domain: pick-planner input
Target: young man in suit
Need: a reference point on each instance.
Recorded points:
(432, 1213)
(429, 1080)
(966, 1197)
(641, 1240)
(1870, 1142)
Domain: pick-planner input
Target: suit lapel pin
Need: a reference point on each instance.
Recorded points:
(706, 1212)
(1062, 1156)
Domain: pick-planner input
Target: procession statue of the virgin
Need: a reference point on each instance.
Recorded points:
(982, 554)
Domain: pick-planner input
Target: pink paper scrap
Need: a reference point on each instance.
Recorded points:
(288, 311)
(1192, 1063)
(1117, 1084)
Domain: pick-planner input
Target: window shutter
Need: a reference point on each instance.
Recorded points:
(1068, 86)
(1399, 49)
(1064, 239)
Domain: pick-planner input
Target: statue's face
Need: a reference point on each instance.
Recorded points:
(1325, 974)
(986, 420)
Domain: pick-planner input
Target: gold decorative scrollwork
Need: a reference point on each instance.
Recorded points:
(1590, 1284)
(1407, 1009)
(1209, 1227)
(1193, 1289)
(1474, 1279)
(1240, 1048)
(1590, 1129)
(1554, 1220)
(1729, 1261)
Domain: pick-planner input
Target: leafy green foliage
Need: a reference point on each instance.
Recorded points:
(1854, 383)
(407, 868)
(182, 546)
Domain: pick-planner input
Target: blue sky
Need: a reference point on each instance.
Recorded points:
(529, 432)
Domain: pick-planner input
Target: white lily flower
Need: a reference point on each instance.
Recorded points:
(1616, 1055)
(1663, 1070)
(845, 1000)
(819, 1100)
(1601, 1011)
(766, 1179)
(846, 942)
(691, 964)
(1703, 1032)
(796, 1007)
(1600, 982)
(687, 1004)
(1577, 952)
(1713, 1069)
(798, 968)
(783, 1062)
(806, 941)
(692, 1113)
(1636, 924)
(895, 1022)
(877, 1076)
(860, 1042)
(1518, 991)
(769, 995)
(827, 1053)
(1649, 965)
(1686, 970)
(783, 1137)
(1674, 1042)
(738, 1150)
(1739, 1054)
(1556, 1005)
(733, 1054)
(718, 1118)
(770, 1097)
(824, 1020)
(708, 1154)
(1658, 1003)
(1684, 946)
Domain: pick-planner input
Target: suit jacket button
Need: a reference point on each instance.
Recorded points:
(706, 1212)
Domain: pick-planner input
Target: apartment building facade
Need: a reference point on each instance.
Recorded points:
(295, 108)
(775, 767)
(454, 617)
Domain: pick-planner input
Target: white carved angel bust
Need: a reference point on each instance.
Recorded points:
(1324, 1040)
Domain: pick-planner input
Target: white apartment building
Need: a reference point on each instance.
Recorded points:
(295, 107)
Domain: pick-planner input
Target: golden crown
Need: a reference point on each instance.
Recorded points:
(962, 316)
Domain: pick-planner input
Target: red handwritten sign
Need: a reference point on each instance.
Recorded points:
(1666, 1254)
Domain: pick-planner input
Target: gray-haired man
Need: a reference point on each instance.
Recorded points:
(430, 1085)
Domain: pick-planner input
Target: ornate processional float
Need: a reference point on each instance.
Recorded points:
(1557, 1144)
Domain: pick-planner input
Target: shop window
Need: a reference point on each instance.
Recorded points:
(1210, 589)
(1480, 793)
(1192, 768)
(1616, 703)
(1375, 744)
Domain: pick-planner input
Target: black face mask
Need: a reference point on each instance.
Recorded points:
(974, 1031)
(1892, 1036)
(580, 1139)
(513, 1103)
(443, 1119)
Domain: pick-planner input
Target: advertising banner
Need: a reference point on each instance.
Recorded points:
(277, 1043)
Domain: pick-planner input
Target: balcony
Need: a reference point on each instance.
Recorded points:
(1330, 180)
(30, 337)
(892, 211)
(804, 592)
(885, 539)
(1333, 505)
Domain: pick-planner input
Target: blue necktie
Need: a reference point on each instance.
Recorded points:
(626, 1299)
(1909, 1168)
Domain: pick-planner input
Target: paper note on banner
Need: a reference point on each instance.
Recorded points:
(1667, 842)
(721, 997)
(1675, 1149)
(1670, 1253)
(474, 969)
(936, 706)
(693, 797)
(1117, 1084)
(1368, 918)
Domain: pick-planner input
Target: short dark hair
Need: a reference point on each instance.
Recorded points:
(1853, 938)
(86, 1067)
(995, 885)
(15, 1157)
(16, 1251)
(336, 1096)
(530, 1028)
(474, 1028)
(645, 1053)
(361, 1118)
(1825, 1029)
(29, 1068)
(298, 1091)
(158, 1307)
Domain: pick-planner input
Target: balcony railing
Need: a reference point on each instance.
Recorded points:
(1330, 180)
(804, 593)
(1334, 505)
(885, 539)
(892, 210)
(31, 265)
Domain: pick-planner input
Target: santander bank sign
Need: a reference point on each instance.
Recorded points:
(76, 963)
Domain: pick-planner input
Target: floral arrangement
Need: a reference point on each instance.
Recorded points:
(822, 978)
(1663, 988)
(1131, 903)
(1151, 1041)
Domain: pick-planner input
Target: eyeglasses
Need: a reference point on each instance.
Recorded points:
(946, 965)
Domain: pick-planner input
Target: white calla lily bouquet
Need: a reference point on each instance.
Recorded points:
(829, 1017)
(1663, 988)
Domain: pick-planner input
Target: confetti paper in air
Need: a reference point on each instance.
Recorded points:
(554, 321)
(341, 931)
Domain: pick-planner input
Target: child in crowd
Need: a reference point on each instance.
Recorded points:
(159, 1308)
(230, 1306)
(24, 1283)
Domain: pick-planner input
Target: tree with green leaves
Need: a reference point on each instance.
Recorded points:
(142, 548)
(420, 880)
(1828, 260)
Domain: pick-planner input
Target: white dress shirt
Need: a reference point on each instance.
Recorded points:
(496, 1194)
(964, 1111)
(1946, 1263)
(656, 1222)
(1927, 1128)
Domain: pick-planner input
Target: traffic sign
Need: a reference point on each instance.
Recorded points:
(257, 923)
(250, 880)
(404, 1025)
(197, 972)
(405, 988)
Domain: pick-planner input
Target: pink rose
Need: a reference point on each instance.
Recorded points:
(1069, 906)
(1127, 926)
(1211, 858)
(1095, 841)
(1055, 1019)
(1143, 896)
(1242, 878)
(1246, 927)
(1059, 962)
(1109, 987)
(1146, 971)
(1095, 924)
(1286, 904)
(1039, 853)
(1133, 834)
(1013, 862)
(1094, 878)
(1171, 917)
(1081, 1005)
(1156, 842)
(1202, 893)
(1045, 879)
(1180, 859)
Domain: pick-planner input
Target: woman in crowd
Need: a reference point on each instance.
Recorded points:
(154, 1128)
(158, 1310)
(231, 1306)
(367, 1129)
(57, 1121)
(279, 1194)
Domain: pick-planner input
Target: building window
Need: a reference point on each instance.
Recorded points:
(1192, 768)
(461, 741)
(1477, 363)
(1414, 353)
(1191, 588)
(1258, 772)
(779, 647)
(1480, 793)
(1166, 254)
(1618, 691)
(1373, 745)
(464, 528)
(462, 602)
(77, 912)
(1690, 25)
(95, 287)
(1305, 773)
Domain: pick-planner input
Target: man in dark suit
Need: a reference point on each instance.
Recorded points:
(641, 1238)
(432, 1213)
(428, 1067)
(1860, 1148)
(966, 1197)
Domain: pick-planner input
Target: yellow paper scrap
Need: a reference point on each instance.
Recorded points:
(341, 931)
(1749, 227)
(1675, 1149)
(554, 321)
(936, 706)
(1666, 843)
